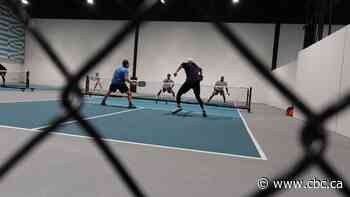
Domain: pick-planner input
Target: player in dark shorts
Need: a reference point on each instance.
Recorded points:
(194, 76)
(3, 72)
(168, 86)
(120, 77)
(219, 89)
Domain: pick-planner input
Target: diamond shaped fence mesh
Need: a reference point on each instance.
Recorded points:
(312, 133)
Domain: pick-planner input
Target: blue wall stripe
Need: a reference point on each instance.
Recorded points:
(12, 36)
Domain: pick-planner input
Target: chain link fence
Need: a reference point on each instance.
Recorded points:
(313, 136)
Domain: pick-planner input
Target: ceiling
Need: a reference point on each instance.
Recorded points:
(257, 11)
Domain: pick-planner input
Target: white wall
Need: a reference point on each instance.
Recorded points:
(74, 41)
(10, 66)
(287, 74)
(164, 45)
(318, 73)
(292, 41)
(344, 118)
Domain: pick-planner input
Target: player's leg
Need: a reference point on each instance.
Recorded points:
(171, 91)
(3, 80)
(105, 97)
(183, 89)
(95, 86)
(197, 92)
(130, 99)
(223, 96)
(100, 84)
(160, 91)
(112, 88)
(211, 97)
(158, 95)
(3, 74)
(123, 88)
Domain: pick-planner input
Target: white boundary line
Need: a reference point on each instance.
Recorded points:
(185, 111)
(30, 101)
(93, 117)
(140, 144)
(258, 147)
(20, 128)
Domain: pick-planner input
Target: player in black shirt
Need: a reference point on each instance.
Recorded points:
(3, 74)
(194, 76)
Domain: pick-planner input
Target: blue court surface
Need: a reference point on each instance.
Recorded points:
(223, 132)
(21, 86)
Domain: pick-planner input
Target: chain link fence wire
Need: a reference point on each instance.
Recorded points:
(313, 136)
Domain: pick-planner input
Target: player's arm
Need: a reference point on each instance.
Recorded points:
(178, 70)
(228, 93)
(200, 72)
(126, 77)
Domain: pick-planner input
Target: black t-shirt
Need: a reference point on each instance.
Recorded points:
(2, 67)
(192, 71)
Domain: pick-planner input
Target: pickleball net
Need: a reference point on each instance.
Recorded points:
(237, 97)
(15, 79)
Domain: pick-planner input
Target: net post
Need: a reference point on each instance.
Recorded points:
(247, 98)
(250, 99)
(87, 84)
(27, 79)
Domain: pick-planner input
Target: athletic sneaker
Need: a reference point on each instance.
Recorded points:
(177, 110)
(204, 114)
(131, 106)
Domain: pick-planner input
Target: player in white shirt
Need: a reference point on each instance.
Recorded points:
(219, 88)
(98, 79)
(168, 85)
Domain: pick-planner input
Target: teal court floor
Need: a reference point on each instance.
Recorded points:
(223, 132)
(15, 87)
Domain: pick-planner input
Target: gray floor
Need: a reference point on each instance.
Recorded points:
(66, 166)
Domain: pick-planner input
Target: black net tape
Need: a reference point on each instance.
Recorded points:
(312, 133)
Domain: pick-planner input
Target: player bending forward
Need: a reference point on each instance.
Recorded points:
(120, 77)
(219, 89)
(168, 86)
(194, 76)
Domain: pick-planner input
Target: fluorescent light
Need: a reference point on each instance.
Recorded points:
(25, 2)
(163, 1)
(235, 1)
(90, 2)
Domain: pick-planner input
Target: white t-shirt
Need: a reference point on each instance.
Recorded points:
(220, 85)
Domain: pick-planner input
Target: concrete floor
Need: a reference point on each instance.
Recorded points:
(66, 166)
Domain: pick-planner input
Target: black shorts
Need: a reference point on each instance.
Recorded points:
(3, 73)
(169, 90)
(188, 85)
(122, 87)
(216, 92)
